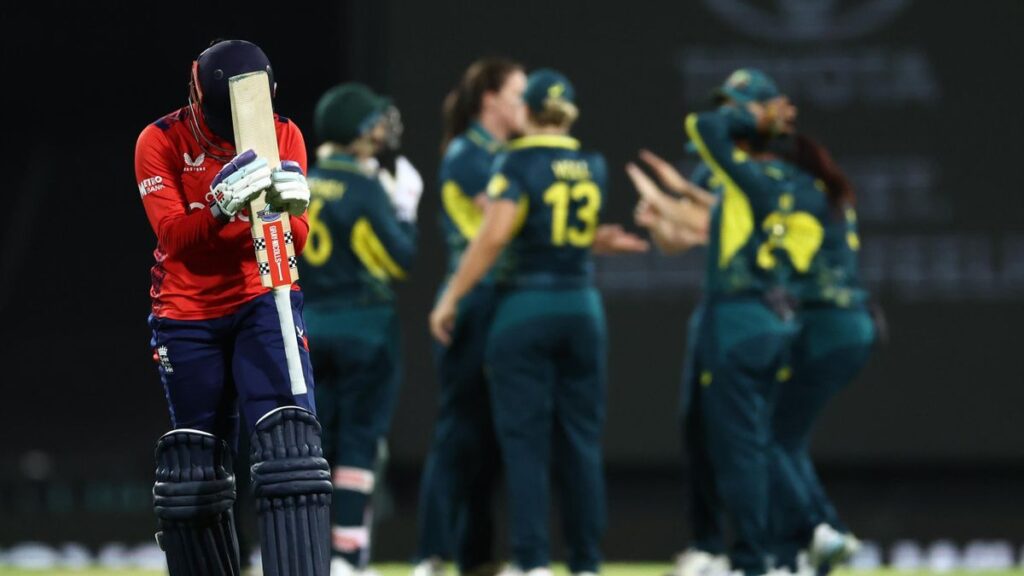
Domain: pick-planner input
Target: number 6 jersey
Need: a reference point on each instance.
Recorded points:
(356, 245)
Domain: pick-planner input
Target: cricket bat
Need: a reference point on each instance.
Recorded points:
(253, 117)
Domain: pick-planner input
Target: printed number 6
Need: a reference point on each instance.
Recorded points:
(319, 244)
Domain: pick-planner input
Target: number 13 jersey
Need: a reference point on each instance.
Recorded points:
(560, 192)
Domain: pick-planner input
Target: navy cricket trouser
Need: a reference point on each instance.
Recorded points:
(743, 344)
(211, 367)
(833, 345)
(357, 354)
(704, 511)
(460, 477)
(548, 374)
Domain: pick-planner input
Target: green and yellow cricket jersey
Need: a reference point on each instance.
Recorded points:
(465, 170)
(560, 191)
(743, 232)
(831, 242)
(356, 245)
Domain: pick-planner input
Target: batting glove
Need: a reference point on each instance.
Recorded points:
(238, 183)
(289, 190)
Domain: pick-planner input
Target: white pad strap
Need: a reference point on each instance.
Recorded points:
(350, 538)
(355, 479)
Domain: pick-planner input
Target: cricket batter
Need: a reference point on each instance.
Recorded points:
(457, 490)
(359, 244)
(217, 339)
(546, 349)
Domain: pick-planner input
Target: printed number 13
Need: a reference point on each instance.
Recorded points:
(559, 196)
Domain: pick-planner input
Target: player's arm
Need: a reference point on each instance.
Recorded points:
(464, 195)
(669, 237)
(673, 181)
(714, 134)
(682, 212)
(178, 230)
(382, 240)
(496, 231)
(611, 239)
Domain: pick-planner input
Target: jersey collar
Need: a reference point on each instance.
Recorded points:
(479, 135)
(545, 141)
(341, 161)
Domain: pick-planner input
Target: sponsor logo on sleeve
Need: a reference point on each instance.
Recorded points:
(150, 185)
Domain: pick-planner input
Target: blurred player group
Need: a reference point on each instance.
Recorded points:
(520, 329)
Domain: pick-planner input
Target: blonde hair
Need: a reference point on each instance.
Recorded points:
(557, 112)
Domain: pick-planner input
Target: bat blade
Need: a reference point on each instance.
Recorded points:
(253, 117)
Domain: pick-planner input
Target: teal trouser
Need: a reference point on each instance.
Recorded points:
(462, 468)
(356, 360)
(547, 369)
(704, 510)
(832, 347)
(742, 346)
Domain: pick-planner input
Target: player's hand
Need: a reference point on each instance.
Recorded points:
(645, 216)
(408, 190)
(671, 178)
(645, 187)
(239, 182)
(668, 175)
(480, 201)
(442, 318)
(612, 239)
(289, 191)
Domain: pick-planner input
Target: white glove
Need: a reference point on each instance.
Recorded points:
(289, 190)
(407, 191)
(238, 183)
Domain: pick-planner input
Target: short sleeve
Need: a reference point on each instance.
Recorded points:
(504, 183)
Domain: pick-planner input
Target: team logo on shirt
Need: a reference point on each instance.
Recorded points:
(195, 165)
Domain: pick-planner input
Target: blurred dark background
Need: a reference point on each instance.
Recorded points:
(919, 101)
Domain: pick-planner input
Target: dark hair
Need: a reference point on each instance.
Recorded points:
(463, 103)
(810, 156)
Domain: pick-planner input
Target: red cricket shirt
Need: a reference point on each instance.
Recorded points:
(204, 268)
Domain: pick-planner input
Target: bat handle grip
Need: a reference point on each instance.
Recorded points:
(283, 303)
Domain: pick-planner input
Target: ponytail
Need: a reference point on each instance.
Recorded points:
(810, 156)
(462, 105)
